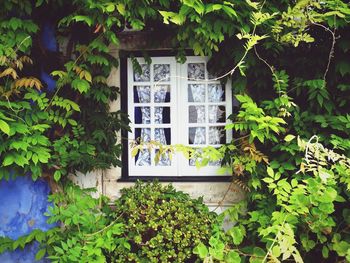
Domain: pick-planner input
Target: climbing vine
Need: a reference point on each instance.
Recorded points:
(287, 62)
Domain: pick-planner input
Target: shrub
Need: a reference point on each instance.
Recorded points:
(161, 224)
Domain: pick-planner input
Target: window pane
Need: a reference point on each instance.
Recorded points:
(217, 135)
(161, 72)
(215, 163)
(161, 115)
(162, 135)
(164, 159)
(145, 75)
(216, 93)
(192, 161)
(217, 114)
(142, 94)
(196, 93)
(143, 158)
(161, 93)
(143, 135)
(142, 115)
(195, 71)
(196, 114)
(196, 135)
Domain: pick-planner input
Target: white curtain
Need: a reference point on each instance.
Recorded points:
(144, 157)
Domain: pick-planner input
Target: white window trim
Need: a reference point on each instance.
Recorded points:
(178, 115)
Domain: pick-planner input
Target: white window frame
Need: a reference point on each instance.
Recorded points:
(179, 117)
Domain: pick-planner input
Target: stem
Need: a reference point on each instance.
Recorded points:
(103, 229)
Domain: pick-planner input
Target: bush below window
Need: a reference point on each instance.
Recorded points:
(161, 224)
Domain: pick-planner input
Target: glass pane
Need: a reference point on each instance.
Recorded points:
(161, 115)
(145, 75)
(143, 135)
(195, 71)
(196, 93)
(196, 135)
(215, 163)
(162, 135)
(143, 158)
(164, 159)
(216, 93)
(194, 157)
(196, 114)
(142, 115)
(192, 161)
(217, 114)
(161, 93)
(142, 94)
(161, 72)
(217, 135)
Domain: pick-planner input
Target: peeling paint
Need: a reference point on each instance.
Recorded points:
(22, 208)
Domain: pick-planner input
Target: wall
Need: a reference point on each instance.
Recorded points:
(22, 207)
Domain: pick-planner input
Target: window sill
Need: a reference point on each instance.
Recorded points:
(198, 179)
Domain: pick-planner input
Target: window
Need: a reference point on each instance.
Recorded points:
(173, 103)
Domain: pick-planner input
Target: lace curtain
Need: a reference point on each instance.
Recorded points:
(197, 113)
(144, 157)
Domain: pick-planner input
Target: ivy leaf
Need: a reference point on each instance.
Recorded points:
(233, 257)
(201, 250)
(237, 233)
(4, 127)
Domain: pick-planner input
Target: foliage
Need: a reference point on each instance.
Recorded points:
(46, 133)
(84, 232)
(287, 61)
(161, 224)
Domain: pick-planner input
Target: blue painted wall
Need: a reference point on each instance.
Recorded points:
(22, 207)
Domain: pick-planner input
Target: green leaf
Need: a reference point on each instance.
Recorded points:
(268, 180)
(20, 160)
(233, 257)
(325, 252)
(74, 106)
(270, 172)
(201, 250)
(35, 158)
(4, 127)
(110, 8)
(57, 175)
(289, 137)
(329, 195)
(276, 251)
(81, 85)
(41, 253)
(121, 8)
(341, 248)
(87, 20)
(229, 11)
(237, 233)
(9, 159)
